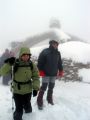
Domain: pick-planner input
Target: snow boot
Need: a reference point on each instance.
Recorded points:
(40, 100)
(50, 97)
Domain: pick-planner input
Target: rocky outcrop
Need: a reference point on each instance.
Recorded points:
(71, 70)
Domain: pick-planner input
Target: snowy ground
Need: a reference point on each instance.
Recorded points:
(72, 102)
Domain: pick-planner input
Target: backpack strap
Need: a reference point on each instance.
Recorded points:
(15, 68)
(31, 65)
(17, 65)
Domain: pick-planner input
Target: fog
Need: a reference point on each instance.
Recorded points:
(22, 18)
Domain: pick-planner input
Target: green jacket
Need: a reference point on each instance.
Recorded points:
(23, 75)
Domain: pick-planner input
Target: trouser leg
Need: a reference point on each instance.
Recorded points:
(41, 93)
(17, 116)
(19, 107)
(50, 92)
(6, 79)
(27, 103)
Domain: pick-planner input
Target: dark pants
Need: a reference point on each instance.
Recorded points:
(22, 102)
(6, 79)
(48, 82)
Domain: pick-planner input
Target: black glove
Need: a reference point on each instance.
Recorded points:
(35, 93)
(10, 60)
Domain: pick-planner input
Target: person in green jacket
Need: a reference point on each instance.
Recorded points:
(25, 81)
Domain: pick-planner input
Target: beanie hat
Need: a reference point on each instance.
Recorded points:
(53, 41)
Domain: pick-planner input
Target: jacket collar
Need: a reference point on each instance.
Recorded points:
(52, 48)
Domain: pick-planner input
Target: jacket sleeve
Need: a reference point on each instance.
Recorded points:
(60, 66)
(5, 69)
(41, 61)
(35, 78)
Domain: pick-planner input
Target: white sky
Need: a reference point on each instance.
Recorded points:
(22, 18)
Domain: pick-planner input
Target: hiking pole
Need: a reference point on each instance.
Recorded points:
(12, 103)
(12, 90)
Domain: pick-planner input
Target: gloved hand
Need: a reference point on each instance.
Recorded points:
(35, 93)
(41, 73)
(60, 74)
(10, 60)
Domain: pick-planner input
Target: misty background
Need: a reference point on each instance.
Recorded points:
(20, 19)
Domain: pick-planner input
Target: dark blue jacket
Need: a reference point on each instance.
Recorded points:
(50, 61)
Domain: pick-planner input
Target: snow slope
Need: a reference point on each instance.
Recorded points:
(72, 102)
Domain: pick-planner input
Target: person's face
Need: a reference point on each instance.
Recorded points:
(55, 45)
(25, 57)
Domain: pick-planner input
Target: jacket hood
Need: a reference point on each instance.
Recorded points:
(24, 50)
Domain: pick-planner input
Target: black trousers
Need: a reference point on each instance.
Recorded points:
(22, 102)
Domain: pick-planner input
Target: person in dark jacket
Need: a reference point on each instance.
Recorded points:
(4, 56)
(25, 82)
(50, 66)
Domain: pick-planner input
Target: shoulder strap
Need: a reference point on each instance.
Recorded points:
(17, 65)
(31, 65)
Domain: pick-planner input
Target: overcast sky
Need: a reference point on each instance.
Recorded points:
(22, 18)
